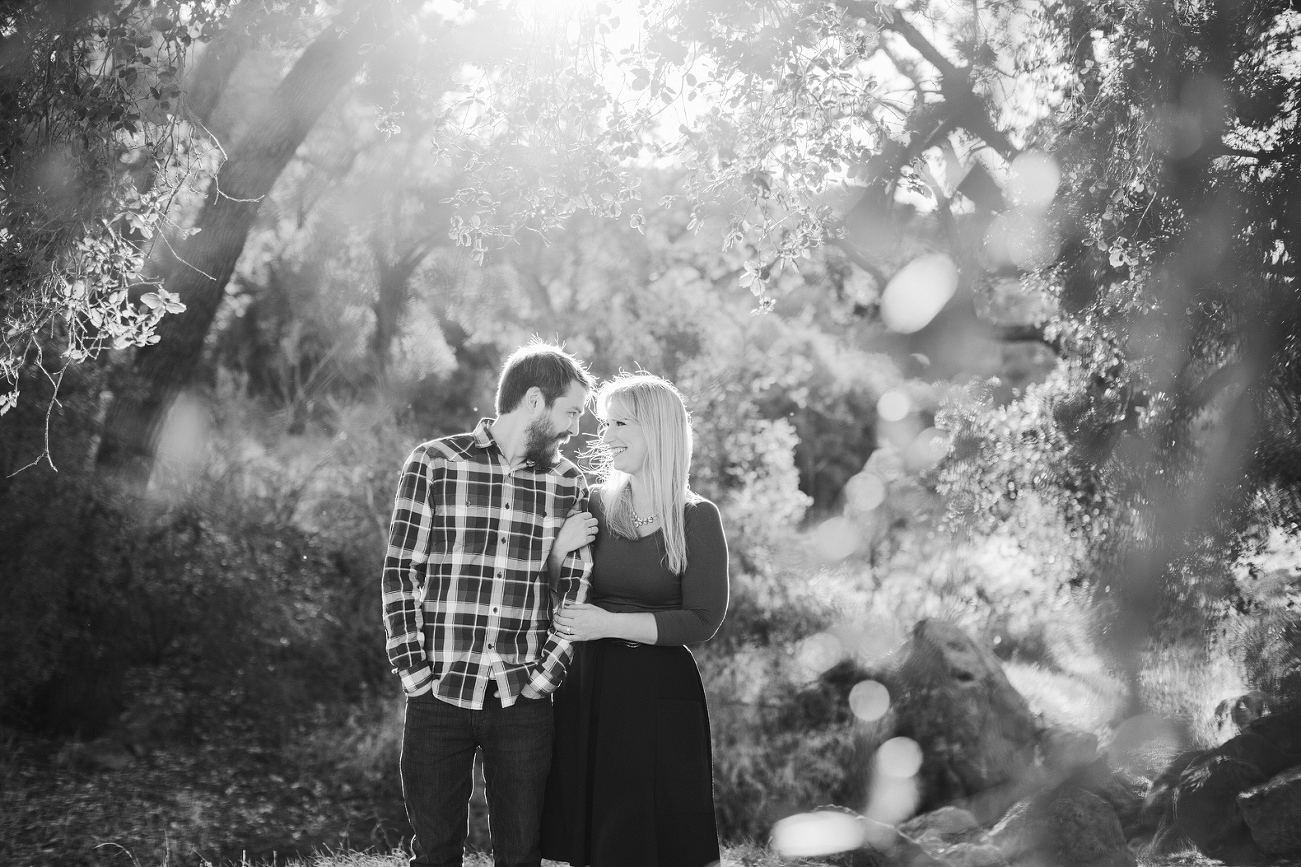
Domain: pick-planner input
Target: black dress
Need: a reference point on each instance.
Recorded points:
(631, 781)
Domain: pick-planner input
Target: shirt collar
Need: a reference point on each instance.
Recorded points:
(483, 437)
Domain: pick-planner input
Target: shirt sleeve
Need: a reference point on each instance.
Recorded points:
(406, 564)
(571, 587)
(704, 583)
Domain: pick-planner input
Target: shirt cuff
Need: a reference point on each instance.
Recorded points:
(542, 683)
(417, 681)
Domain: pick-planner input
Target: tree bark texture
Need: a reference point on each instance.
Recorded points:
(205, 261)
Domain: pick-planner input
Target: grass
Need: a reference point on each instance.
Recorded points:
(745, 855)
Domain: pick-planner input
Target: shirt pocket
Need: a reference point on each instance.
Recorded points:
(476, 524)
(549, 525)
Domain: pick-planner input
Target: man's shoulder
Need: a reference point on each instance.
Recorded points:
(454, 447)
(569, 471)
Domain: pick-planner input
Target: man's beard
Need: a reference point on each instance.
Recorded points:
(542, 447)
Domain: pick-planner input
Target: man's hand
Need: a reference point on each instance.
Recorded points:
(529, 692)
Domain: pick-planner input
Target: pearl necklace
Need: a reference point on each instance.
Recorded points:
(641, 522)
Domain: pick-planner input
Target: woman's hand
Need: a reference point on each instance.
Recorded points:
(578, 530)
(584, 622)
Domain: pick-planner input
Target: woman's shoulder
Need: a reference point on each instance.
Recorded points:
(702, 513)
(596, 498)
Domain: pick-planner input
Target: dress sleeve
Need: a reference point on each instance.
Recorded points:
(704, 583)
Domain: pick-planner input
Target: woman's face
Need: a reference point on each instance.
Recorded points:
(625, 438)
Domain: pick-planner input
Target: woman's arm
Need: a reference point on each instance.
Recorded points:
(587, 622)
(704, 584)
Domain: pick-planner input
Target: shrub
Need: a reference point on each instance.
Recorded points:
(213, 576)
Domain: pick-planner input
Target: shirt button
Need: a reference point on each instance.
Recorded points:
(507, 505)
(494, 610)
(499, 574)
(491, 646)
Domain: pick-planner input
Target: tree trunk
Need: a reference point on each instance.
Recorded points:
(394, 294)
(204, 263)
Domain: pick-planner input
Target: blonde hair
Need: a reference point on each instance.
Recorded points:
(656, 405)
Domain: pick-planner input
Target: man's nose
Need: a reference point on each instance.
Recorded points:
(573, 427)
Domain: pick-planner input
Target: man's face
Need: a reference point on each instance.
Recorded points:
(553, 425)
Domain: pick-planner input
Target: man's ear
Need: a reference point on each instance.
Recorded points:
(534, 398)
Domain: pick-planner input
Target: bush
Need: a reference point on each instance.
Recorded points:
(215, 577)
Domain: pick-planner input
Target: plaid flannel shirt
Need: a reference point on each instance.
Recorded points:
(467, 597)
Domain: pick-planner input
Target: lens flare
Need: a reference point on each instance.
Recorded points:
(875, 641)
(869, 700)
(1145, 733)
(926, 450)
(819, 652)
(1023, 238)
(900, 758)
(809, 835)
(836, 538)
(1032, 182)
(894, 405)
(915, 295)
(865, 491)
(892, 799)
(184, 439)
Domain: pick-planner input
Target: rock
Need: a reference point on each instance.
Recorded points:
(1282, 733)
(886, 847)
(1248, 708)
(1235, 714)
(1204, 803)
(1157, 811)
(953, 837)
(948, 824)
(1065, 827)
(1124, 792)
(975, 730)
(971, 855)
(1206, 809)
(1272, 812)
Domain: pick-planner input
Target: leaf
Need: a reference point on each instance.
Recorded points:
(151, 300)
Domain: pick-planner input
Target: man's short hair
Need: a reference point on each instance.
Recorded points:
(545, 365)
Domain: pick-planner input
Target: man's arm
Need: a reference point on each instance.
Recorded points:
(571, 586)
(405, 565)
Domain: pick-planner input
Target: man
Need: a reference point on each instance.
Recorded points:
(467, 607)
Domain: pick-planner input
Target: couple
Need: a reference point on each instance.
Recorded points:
(545, 625)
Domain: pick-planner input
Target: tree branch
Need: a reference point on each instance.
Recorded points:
(966, 108)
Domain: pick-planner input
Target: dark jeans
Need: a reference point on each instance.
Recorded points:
(438, 744)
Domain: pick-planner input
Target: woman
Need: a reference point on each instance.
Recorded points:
(631, 782)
